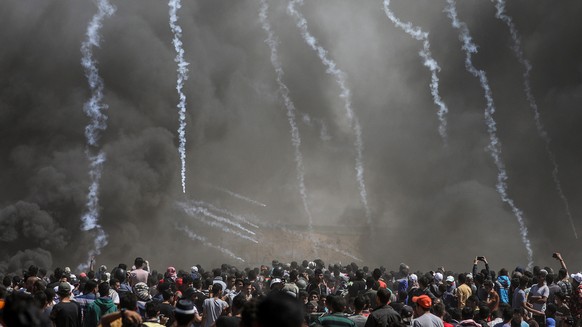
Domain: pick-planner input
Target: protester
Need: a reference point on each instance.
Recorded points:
(422, 315)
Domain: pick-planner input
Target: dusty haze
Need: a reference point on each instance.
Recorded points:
(430, 205)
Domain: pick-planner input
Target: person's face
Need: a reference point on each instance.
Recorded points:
(248, 289)
(319, 278)
(314, 297)
(239, 285)
(117, 286)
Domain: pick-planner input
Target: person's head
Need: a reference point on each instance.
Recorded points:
(523, 281)
(152, 309)
(422, 304)
(472, 301)
(318, 275)
(488, 284)
(238, 303)
(423, 281)
(279, 309)
(562, 273)
(336, 303)
(484, 312)
(507, 314)
(439, 309)
(462, 278)
(541, 276)
(127, 301)
(184, 312)
(383, 296)
(103, 289)
(90, 287)
(314, 296)
(32, 271)
(370, 282)
(377, 273)
(467, 313)
(216, 289)
(40, 299)
(576, 279)
(360, 303)
(64, 290)
(517, 317)
(138, 262)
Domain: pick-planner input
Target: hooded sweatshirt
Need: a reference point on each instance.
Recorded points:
(98, 308)
(502, 288)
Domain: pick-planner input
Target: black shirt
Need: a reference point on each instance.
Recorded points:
(67, 314)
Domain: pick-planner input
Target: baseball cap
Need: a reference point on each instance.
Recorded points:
(577, 277)
(450, 279)
(64, 289)
(423, 300)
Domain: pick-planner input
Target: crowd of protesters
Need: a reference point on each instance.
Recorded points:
(293, 294)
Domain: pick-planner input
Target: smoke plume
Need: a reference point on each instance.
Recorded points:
(428, 205)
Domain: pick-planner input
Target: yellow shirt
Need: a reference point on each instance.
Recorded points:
(463, 293)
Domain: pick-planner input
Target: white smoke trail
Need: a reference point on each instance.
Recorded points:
(198, 212)
(518, 51)
(225, 212)
(205, 241)
(340, 78)
(182, 76)
(309, 121)
(284, 91)
(494, 143)
(194, 209)
(416, 33)
(238, 196)
(94, 108)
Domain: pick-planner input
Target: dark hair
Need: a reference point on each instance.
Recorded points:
(377, 273)
(40, 299)
(383, 295)
(280, 309)
(360, 302)
(239, 301)
(337, 303)
(438, 309)
(90, 286)
(484, 312)
(104, 289)
(462, 278)
(423, 281)
(32, 270)
(507, 313)
(128, 301)
(139, 261)
(467, 313)
(167, 294)
(216, 287)
(550, 279)
(152, 308)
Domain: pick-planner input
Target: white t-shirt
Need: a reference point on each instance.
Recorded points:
(542, 291)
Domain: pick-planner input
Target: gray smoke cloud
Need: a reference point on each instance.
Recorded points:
(430, 205)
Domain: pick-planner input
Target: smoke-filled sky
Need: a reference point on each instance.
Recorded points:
(430, 204)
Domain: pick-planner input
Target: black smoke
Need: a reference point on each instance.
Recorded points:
(431, 205)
